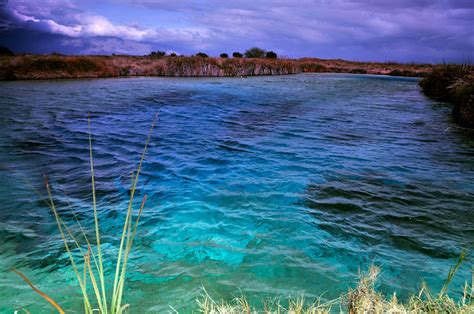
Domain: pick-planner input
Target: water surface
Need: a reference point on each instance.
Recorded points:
(266, 186)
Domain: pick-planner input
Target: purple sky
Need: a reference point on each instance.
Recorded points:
(393, 30)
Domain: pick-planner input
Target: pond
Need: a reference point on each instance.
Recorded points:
(262, 186)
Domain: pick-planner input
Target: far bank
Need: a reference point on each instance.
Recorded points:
(30, 67)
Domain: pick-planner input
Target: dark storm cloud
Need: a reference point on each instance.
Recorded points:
(416, 30)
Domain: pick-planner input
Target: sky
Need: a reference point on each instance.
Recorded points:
(361, 30)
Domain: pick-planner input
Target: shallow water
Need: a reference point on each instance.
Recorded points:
(265, 186)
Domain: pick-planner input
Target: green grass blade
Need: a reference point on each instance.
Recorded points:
(127, 253)
(127, 222)
(96, 223)
(66, 245)
(452, 272)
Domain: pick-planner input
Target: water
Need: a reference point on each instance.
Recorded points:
(267, 187)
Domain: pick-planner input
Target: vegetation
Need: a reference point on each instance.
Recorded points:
(270, 55)
(237, 55)
(50, 67)
(363, 299)
(92, 273)
(255, 52)
(158, 54)
(202, 55)
(224, 55)
(442, 78)
(455, 84)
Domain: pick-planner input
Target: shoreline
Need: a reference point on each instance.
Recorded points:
(39, 67)
(415, 78)
(453, 84)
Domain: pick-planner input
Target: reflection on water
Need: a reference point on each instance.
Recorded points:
(270, 185)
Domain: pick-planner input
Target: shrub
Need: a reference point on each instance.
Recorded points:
(173, 54)
(202, 55)
(224, 55)
(237, 55)
(255, 52)
(437, 83)
(158, 54)
(455, 84)
(271, 55)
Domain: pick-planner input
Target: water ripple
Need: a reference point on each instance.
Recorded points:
(270, 185)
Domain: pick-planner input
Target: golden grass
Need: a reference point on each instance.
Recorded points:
(60, 66)
(363, 299)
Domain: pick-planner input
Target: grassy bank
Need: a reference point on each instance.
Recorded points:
(454, 84)
(23, 67)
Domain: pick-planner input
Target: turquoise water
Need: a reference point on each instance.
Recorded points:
(267, 186)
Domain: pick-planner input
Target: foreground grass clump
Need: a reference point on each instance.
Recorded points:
(92, 273)
(455, 84)
(363, 299)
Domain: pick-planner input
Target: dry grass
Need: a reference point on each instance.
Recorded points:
(363, 299)
(455, 84)
(60, 66)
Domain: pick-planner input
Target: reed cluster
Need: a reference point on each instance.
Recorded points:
(88, 264)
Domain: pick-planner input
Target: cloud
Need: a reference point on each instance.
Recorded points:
(404, 30)
(88, 25)
(97, 46)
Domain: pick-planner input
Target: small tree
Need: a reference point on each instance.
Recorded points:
(237, 55)
(202, 55)
(158, 54)
(271, 55)
(224, 55)
(173, 54)
(255, 52)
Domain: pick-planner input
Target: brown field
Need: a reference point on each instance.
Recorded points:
(25, 67)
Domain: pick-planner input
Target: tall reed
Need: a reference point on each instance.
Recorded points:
(94, 274)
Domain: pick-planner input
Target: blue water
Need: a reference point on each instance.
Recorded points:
(266, 186)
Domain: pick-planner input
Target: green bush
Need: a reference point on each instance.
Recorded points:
(224, 55)
(255, 52)
(158, 54)
(237, 55)
(271, 55)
